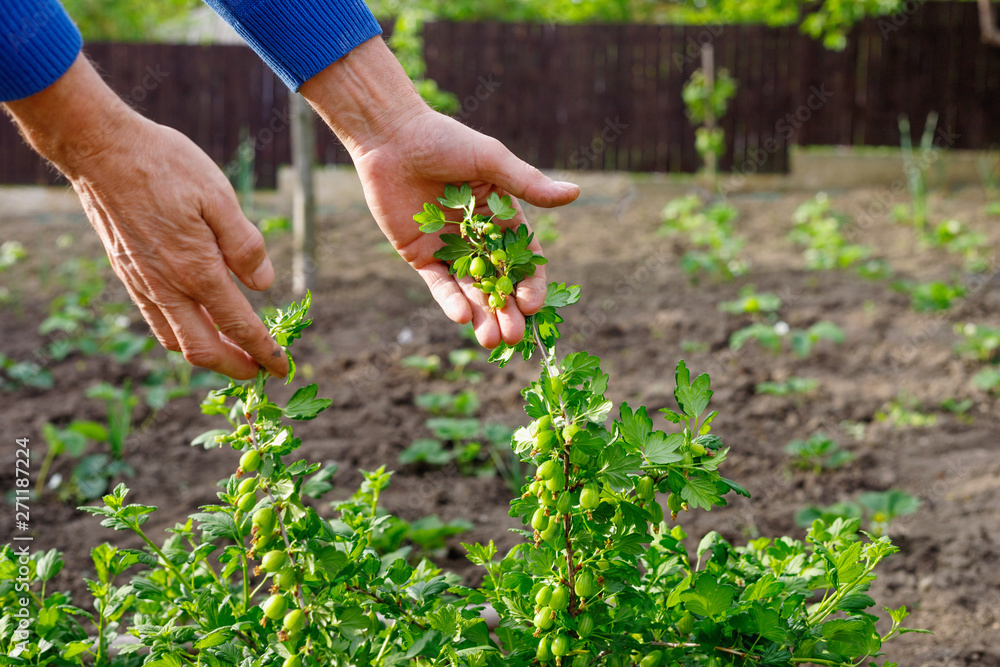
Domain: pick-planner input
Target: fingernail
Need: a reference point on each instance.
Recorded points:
(566, 185)
(263, 276)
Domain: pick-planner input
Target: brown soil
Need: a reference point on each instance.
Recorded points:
(637, 311)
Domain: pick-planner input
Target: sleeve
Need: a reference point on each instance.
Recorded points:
(38, 43)
(299, 38)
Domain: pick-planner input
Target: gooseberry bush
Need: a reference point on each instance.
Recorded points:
(604, 575)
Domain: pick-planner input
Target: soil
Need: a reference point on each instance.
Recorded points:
(641, 314)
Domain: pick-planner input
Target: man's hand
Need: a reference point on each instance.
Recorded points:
(169, 220)
(405, 154)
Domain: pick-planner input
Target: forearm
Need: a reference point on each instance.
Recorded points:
(365, 97)
(72, 120)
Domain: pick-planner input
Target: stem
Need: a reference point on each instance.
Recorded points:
(166, 562)
(50, 455)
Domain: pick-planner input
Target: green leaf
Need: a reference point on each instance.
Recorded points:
(207, 439)
(708, 597)
(661, 448)
(501, 207)
(305, 405)
(763, 621)
(691, 397)
(700, 492)
(635, 427)
(431, 220)
(852, 637)
(457, 197)
(617, 467)
(454, 247)
(49, 565)
(73, 649)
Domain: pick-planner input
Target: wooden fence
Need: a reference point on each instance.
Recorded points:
(602, 96)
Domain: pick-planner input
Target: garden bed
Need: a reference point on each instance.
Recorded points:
(641, 314)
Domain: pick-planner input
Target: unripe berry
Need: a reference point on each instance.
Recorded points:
(551, 530)
(555, 384)
(685, 626)
(246, 502)
(543, 424)
(585, 586)
(294, 621)
(547, 469)
(564, 503)
(543, 618)
(498, 256)
(505, 285)
(247, 485)
(651, 660)
(560, 598)
(292, 661)
(544, 651)
(645, 488)
(243, 431)
(557, 482)
(250, 460)
(543, 596)
(539, 520)
(590, 497)
(545, 440)
(275, 606)
(560, 646)
(497, 301)
(584, 625)
(273, 561)
(265, 521)
(477, 268)
(285, 579)
(698, 449)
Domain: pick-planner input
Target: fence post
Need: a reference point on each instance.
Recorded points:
(303, 200)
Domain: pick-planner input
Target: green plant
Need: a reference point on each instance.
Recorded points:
(957, 238)
(120, 403)
(880, 508)
(793, 385)
(988, 379)
(11, 252)
(916, 166)
(772, 336)
(751, 302)
(905, 412)
(86, 321)
(707, 99)
(90, 475)
(820, 229)
(17, 374)
(931, 296)
(818, 453)
(709, 230)
(602, 579)
(979, 341)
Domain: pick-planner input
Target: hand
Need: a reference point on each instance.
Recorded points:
(426, 154)
(405, 154)
(168, 218)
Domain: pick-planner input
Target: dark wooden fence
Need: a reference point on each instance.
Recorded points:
(601, 97)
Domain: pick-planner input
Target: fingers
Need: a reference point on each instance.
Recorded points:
(239, 240)
(242, 330)
(520, 179)
(446, 292)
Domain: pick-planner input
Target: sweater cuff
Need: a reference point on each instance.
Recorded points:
(38, 44)
(299, 38)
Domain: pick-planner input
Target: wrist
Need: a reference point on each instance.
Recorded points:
(73, 120)
(365, 97)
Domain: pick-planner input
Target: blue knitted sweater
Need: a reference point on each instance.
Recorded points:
(296, 38)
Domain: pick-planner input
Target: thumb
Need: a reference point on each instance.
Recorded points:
(523, 181)
(240, 242)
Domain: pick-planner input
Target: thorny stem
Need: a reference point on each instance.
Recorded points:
(281, 523)
(567, 518)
